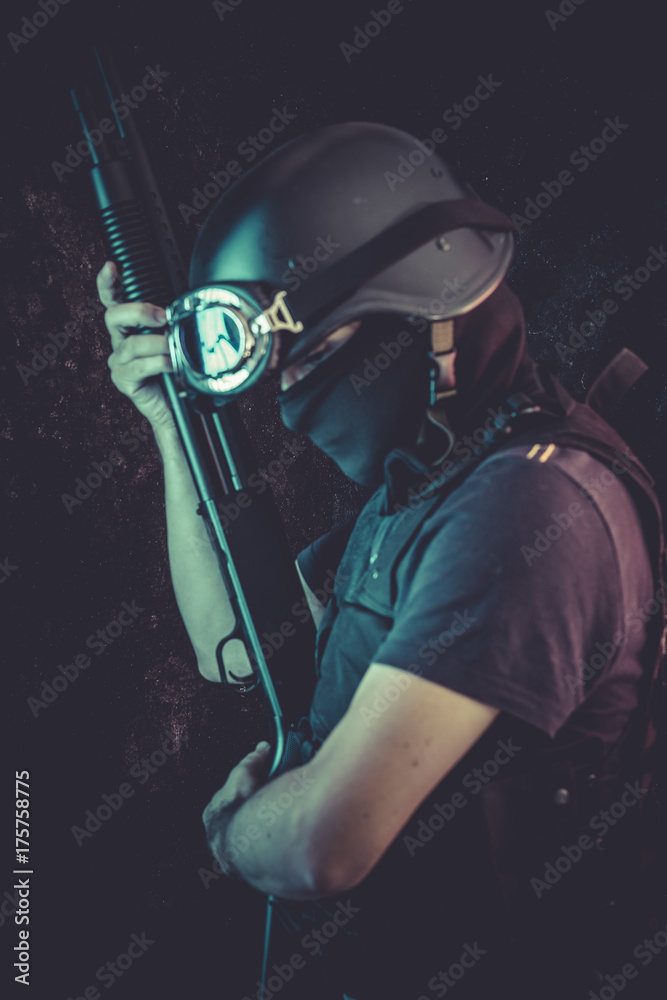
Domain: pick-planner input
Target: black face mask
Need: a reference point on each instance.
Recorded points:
(368, 398)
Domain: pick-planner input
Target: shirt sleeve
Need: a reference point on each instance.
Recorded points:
(510, 583)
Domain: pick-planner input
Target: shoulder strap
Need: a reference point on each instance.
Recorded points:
(569, 424)
(585, 430)
(624, 369)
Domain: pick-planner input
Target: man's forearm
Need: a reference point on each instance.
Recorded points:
(200, 592)
(265, 839)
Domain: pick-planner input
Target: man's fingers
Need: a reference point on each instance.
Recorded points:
(257, 755)
(126, 317)
(122, 317)
(258, 759)
(143, 345)
(143, 368)
(108, 285)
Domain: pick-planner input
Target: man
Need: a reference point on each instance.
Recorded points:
(480, 665)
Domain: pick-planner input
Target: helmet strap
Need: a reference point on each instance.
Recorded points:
(442, 341)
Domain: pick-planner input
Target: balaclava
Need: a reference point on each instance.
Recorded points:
(492, 360)
(358, 413)
(361, 403)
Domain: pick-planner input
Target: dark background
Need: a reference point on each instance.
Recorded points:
(140, 871)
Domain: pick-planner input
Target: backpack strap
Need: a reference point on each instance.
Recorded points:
(624, 369)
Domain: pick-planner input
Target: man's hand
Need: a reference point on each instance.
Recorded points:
(319, 830)
(135, 363)
(242, 782)
(136, 358)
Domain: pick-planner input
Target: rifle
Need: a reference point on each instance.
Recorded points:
(255, 562)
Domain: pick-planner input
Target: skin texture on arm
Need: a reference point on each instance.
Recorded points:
(196, 578)
(135, 362)
(350, 802)
(195, 573)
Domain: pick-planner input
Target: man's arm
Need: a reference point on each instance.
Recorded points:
(195, 572)
(317, 831)
(135, 362)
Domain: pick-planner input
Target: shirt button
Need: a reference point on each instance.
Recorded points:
(374, 558)
(374, 575)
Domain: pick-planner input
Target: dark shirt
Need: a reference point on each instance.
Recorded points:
(527, 588)
(509, 594)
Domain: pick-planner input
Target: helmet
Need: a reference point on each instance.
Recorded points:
(351, 220)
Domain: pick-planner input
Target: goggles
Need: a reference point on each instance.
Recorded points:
(221, 335)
